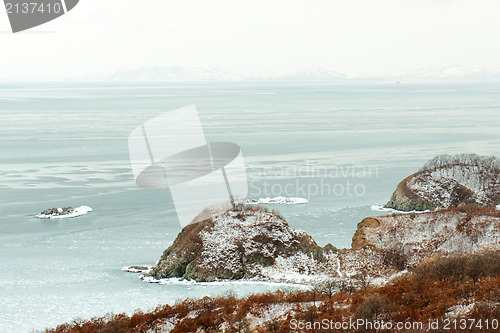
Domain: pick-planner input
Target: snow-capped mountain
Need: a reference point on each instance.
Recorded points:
(207, 74)
(166, 74)
(461, 73)
(312, 74)
(308, 74)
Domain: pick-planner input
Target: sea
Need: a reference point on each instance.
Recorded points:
(343, 147)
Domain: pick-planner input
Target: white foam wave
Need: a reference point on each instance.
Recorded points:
(75, 212)
(381, 208)
(276, 200)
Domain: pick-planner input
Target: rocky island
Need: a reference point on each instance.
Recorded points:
(62, 212)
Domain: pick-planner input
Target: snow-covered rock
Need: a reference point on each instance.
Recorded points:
(416, 237)
(450, 181)
(237, 244)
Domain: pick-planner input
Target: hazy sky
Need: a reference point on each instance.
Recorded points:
(256, 37)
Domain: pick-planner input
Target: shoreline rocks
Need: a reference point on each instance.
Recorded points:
(259, 245)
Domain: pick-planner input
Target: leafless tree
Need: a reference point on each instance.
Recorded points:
(326, 286)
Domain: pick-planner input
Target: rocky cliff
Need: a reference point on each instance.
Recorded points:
(450, 181)
(256, 243)
(409, 238)
(252, 242)
(236, 244)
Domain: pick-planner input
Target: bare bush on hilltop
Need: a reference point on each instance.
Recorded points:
(486, 162)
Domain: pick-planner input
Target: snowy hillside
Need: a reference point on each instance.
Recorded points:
(254, 243)
(236, 244)
(450, 181)
(419, 236)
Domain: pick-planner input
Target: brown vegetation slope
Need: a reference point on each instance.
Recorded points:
(442, 290)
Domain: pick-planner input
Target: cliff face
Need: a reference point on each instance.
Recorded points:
(462, 181)
(359, 240)
(234, 245)
(416, 237)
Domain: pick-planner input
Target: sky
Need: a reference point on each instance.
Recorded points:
(371, 37)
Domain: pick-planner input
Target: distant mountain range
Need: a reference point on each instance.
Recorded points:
(164, 74)
(211, 74)
(451, 73)
(313, 74)
(308, 74)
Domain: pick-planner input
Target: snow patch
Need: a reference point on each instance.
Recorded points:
(460, 311)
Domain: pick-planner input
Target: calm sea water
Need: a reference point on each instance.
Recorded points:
(343, 146)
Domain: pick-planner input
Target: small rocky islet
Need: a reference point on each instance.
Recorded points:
(62, 212)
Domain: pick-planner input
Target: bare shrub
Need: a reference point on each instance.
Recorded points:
(363, 279)
(473, 266)
(374, 307)
(310, 314)
(396, 256)
(488, 162)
